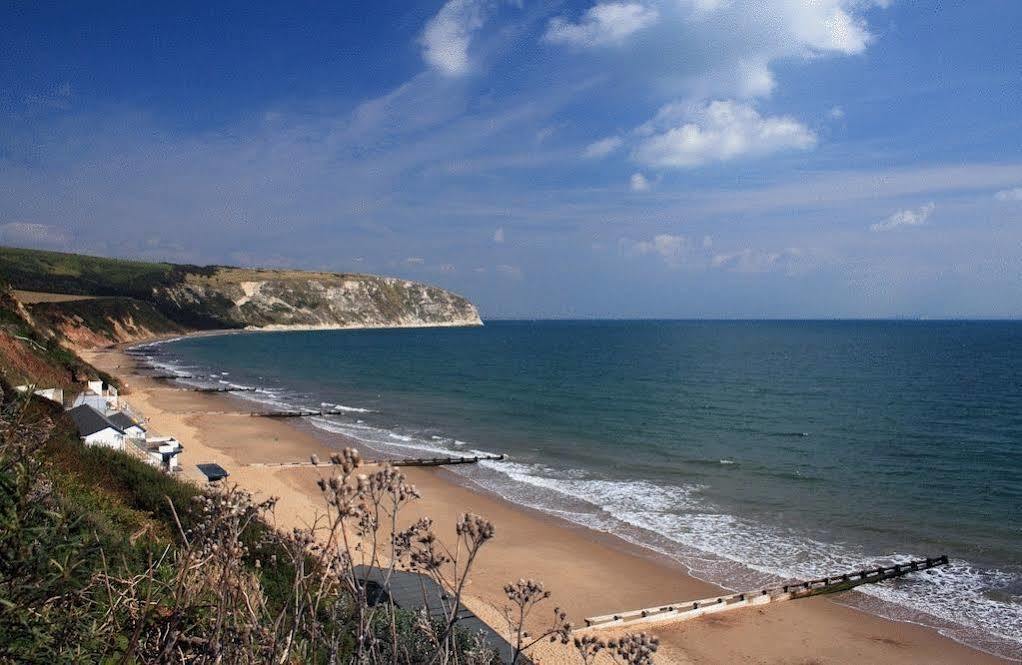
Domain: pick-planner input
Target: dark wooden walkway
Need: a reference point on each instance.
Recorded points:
(412, 591)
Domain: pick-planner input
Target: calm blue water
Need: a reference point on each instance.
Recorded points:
(749, 451)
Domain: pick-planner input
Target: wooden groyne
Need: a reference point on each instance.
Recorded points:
(300, 413)
(441, 461)
(691, 609)
(411, 461)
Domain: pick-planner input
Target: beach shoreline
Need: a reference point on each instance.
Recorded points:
(589, 572)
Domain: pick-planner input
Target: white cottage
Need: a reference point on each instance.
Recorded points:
(131, 428)
(95, 429)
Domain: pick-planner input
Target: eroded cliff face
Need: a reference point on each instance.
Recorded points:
(94, 322)
(264, 299)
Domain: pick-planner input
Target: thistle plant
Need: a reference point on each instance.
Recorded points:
(630, 649)
(525, 595)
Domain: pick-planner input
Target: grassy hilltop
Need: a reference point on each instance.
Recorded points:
(56, 272)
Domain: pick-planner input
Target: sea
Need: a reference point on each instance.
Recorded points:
(752, 452)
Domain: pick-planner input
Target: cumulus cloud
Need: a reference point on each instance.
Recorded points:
(686, 136)
(714, 48)
(639, 183)
(836, 113)
(448, 35)
(603, 147)
(906, 217)
(498, 235)
(1013, 194)
(604, 23)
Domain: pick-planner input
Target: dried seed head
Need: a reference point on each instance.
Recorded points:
(475, 529)
(636, 648)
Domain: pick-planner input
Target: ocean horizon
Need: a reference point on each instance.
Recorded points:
(752, 451)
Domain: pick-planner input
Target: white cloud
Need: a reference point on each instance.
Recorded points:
(498, 235)
(755, 261)
(603, 147)
(1013, 194)
(448, 35)
(512, 272)
(639, 183)
(836, 113)
(671, 248)
(415, 261)
(545, 133)
(604, 23)
(679, 251)
(906, 217)
(716, 132)
(701, 49)
(32, 234)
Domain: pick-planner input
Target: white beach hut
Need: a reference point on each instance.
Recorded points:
(108, 393)
(163, 452)
(53, 394)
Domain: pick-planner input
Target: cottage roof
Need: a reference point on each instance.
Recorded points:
(123, 421)
(89, 420)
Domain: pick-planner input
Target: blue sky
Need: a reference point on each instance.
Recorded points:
(626, 158)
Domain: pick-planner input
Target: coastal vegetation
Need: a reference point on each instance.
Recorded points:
(106, 559)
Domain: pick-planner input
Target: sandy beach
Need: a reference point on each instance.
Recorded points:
(589, 573)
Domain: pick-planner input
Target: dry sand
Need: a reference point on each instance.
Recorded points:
(588, 572)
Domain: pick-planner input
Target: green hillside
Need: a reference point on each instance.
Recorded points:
(57, 272)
